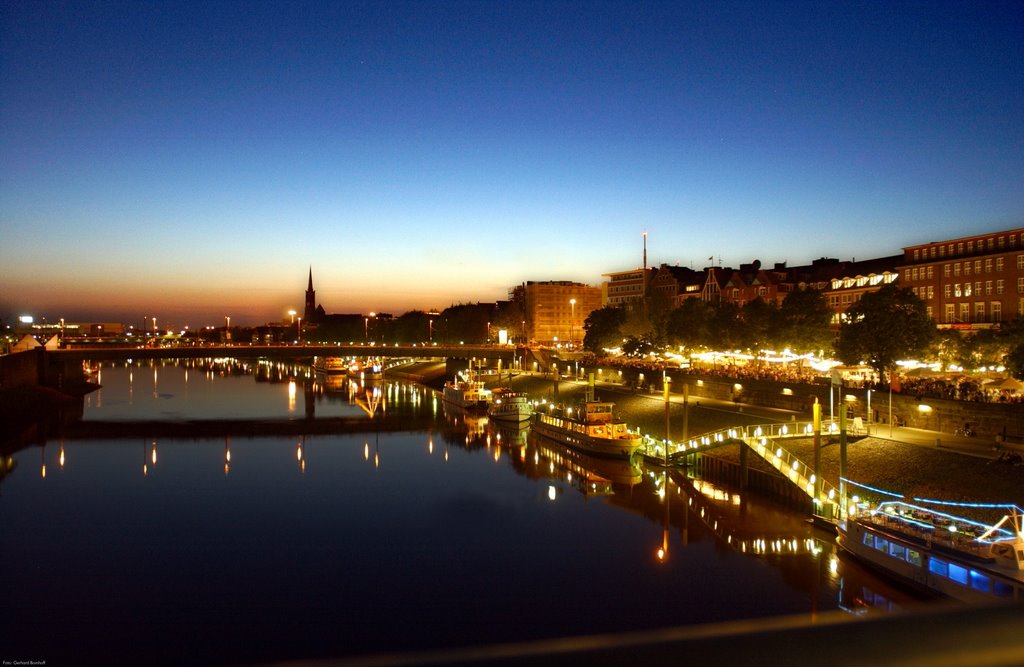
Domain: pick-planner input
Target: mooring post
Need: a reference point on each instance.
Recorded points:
(817, 451)
(842, 461)
(666, 380)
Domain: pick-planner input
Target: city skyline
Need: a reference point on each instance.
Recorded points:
(193, 161)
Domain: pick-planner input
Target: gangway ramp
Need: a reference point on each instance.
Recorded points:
(764, 440)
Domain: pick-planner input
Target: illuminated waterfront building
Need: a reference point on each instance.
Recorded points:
(556, 310)
(972, 282)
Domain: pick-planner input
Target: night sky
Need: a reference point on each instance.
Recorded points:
(193, 160)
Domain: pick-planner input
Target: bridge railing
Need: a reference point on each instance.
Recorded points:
(762, 440)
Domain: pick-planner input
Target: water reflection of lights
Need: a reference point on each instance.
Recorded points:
(291, 395)
(552, 492)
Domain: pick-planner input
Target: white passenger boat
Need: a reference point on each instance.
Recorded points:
(468, 392)
(509, 406)
(938, 552)
(330, 365)
(592, 428)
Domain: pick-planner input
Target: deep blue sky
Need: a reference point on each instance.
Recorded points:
(193, 160)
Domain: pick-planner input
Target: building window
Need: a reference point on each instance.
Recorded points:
(942, 251)
(956, 290)
(946, 290)
(960, 248)
(996, 308)
(965, 312)
(967, 289)
(988, 287)
(931, 273)
(967, 268)
(970, 247)
(946, 270)
(1002, 242)
(999, 287)
(979, 311)
(951, 313)
(931, 291)
(956, 269)
(990, 243)
(1020, 285)
(988, 266)
(977, 267)
(917, 254)
(1020, 262)
(999, 264)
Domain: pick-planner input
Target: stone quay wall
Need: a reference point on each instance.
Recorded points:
(996, 421)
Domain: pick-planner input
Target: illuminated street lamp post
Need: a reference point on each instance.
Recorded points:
(430, 330)
(572, 320)
(298, 331)
(227, 328)
(292, 313)
(366, 326)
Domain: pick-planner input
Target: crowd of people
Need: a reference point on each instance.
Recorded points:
(959, 388)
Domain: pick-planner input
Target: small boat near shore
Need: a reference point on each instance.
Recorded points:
(592, 428)
(940, 553)
(508, 406)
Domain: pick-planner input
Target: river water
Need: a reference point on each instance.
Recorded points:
(134, 548)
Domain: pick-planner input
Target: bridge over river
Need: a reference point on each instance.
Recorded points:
(506, 353)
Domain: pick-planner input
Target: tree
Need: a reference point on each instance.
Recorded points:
(883, 327)
(689, 325)
(725, 330)
(1014, 362)
(805, 322)
(759, 324)
(603, 329)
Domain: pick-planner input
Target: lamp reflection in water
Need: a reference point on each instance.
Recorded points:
(227, 455)
(299, 457)
(662, 552)
(42, 470)
(61, 458)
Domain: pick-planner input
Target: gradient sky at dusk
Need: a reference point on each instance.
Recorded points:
(193, 160)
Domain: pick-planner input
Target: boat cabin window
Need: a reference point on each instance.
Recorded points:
(1002, 589)
(869, 539)
(958, 573)
(914, 557)
(979, 581)
(881, 544)
(939, 567)
(897, 550)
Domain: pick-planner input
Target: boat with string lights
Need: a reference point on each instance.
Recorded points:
(592, 427)
(941, 553)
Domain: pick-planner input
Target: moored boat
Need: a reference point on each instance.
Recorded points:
(466, 391)
(509, 406)
(330, 365)
(938, 552)
(592, 428)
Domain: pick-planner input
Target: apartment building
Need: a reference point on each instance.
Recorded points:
(556, 310)
(972, 282)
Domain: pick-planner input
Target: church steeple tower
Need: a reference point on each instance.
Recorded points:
(309, 313)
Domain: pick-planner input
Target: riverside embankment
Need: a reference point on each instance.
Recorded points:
(913, 462)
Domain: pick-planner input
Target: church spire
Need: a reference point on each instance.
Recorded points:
(309, 312)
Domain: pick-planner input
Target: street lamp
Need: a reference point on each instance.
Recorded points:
(298, 331)
(227, 328)
(572, 319)
(430, 330)
(292, 313)
(366, 325)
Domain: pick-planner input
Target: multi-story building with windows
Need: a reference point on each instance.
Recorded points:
(624, 287)
(971, 282)
(556, 310)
